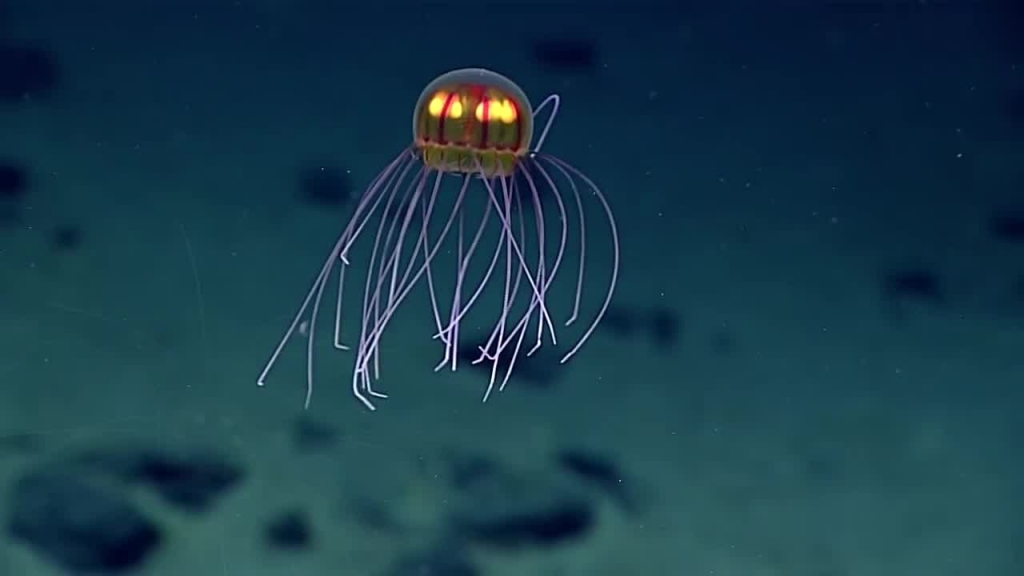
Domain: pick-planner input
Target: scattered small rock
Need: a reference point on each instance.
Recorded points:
(66, 238)
(600, 472)
(13, 181)
(21, 443)
(374, 515)
(190, 480)
(664, 327)
(900, 287)
(512, 511)
(566, 55)
(311, 436)
(467, 470)
(26, 72)
(1007, 226)
(79, 526)
(620, 322)
(325, 186)
(539, 371)
(289, 530)
(447, 559)
(913, 284)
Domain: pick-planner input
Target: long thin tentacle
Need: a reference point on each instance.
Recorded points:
(365, 207)
(571, 172)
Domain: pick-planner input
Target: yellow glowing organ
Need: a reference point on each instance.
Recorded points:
(508, 112)
(455, 110)
(502, 110)
(436, 105)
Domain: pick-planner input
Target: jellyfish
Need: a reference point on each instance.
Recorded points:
(472, 145)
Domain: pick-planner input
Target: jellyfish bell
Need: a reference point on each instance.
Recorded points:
(473, 121)
(471, 128)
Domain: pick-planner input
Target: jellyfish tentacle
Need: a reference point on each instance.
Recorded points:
(541, 273)
(371, 339)
(369, 201)
(422, 239)
(449, 334)
(596, 192)
(515, 246)
(367, 206)
(393, 185)
(525, 318)
(390, 266)
(431, 291)
(338, 344)
(563, 234)
(581, 217)
(555, 101)
(506, 234)
(457, 318)
(559, 257)
(399, 191)
(536, 300)
(381, 246)
(507, 301)
(395, 257)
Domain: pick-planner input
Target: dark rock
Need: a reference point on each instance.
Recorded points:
(1007, 226)
(13, 181)
(325, 186)
(374, 515)
(468, 471)
(289, 531)
(78, 525)
(310, 436)
(600, 472)
(566, 55)
(190, 480)
(553, 524)
(447, 559)
(514, 511)
(913, 284)
(66, 238)
(26, 73)
(620, 322)
(900, 287)
(539, 371)
(665, 327)
(20, 443)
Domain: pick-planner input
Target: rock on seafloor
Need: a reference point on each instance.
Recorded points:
(504, 509)
(79, 524)
(191, 480)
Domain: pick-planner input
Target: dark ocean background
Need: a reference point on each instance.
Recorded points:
(813, 364)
